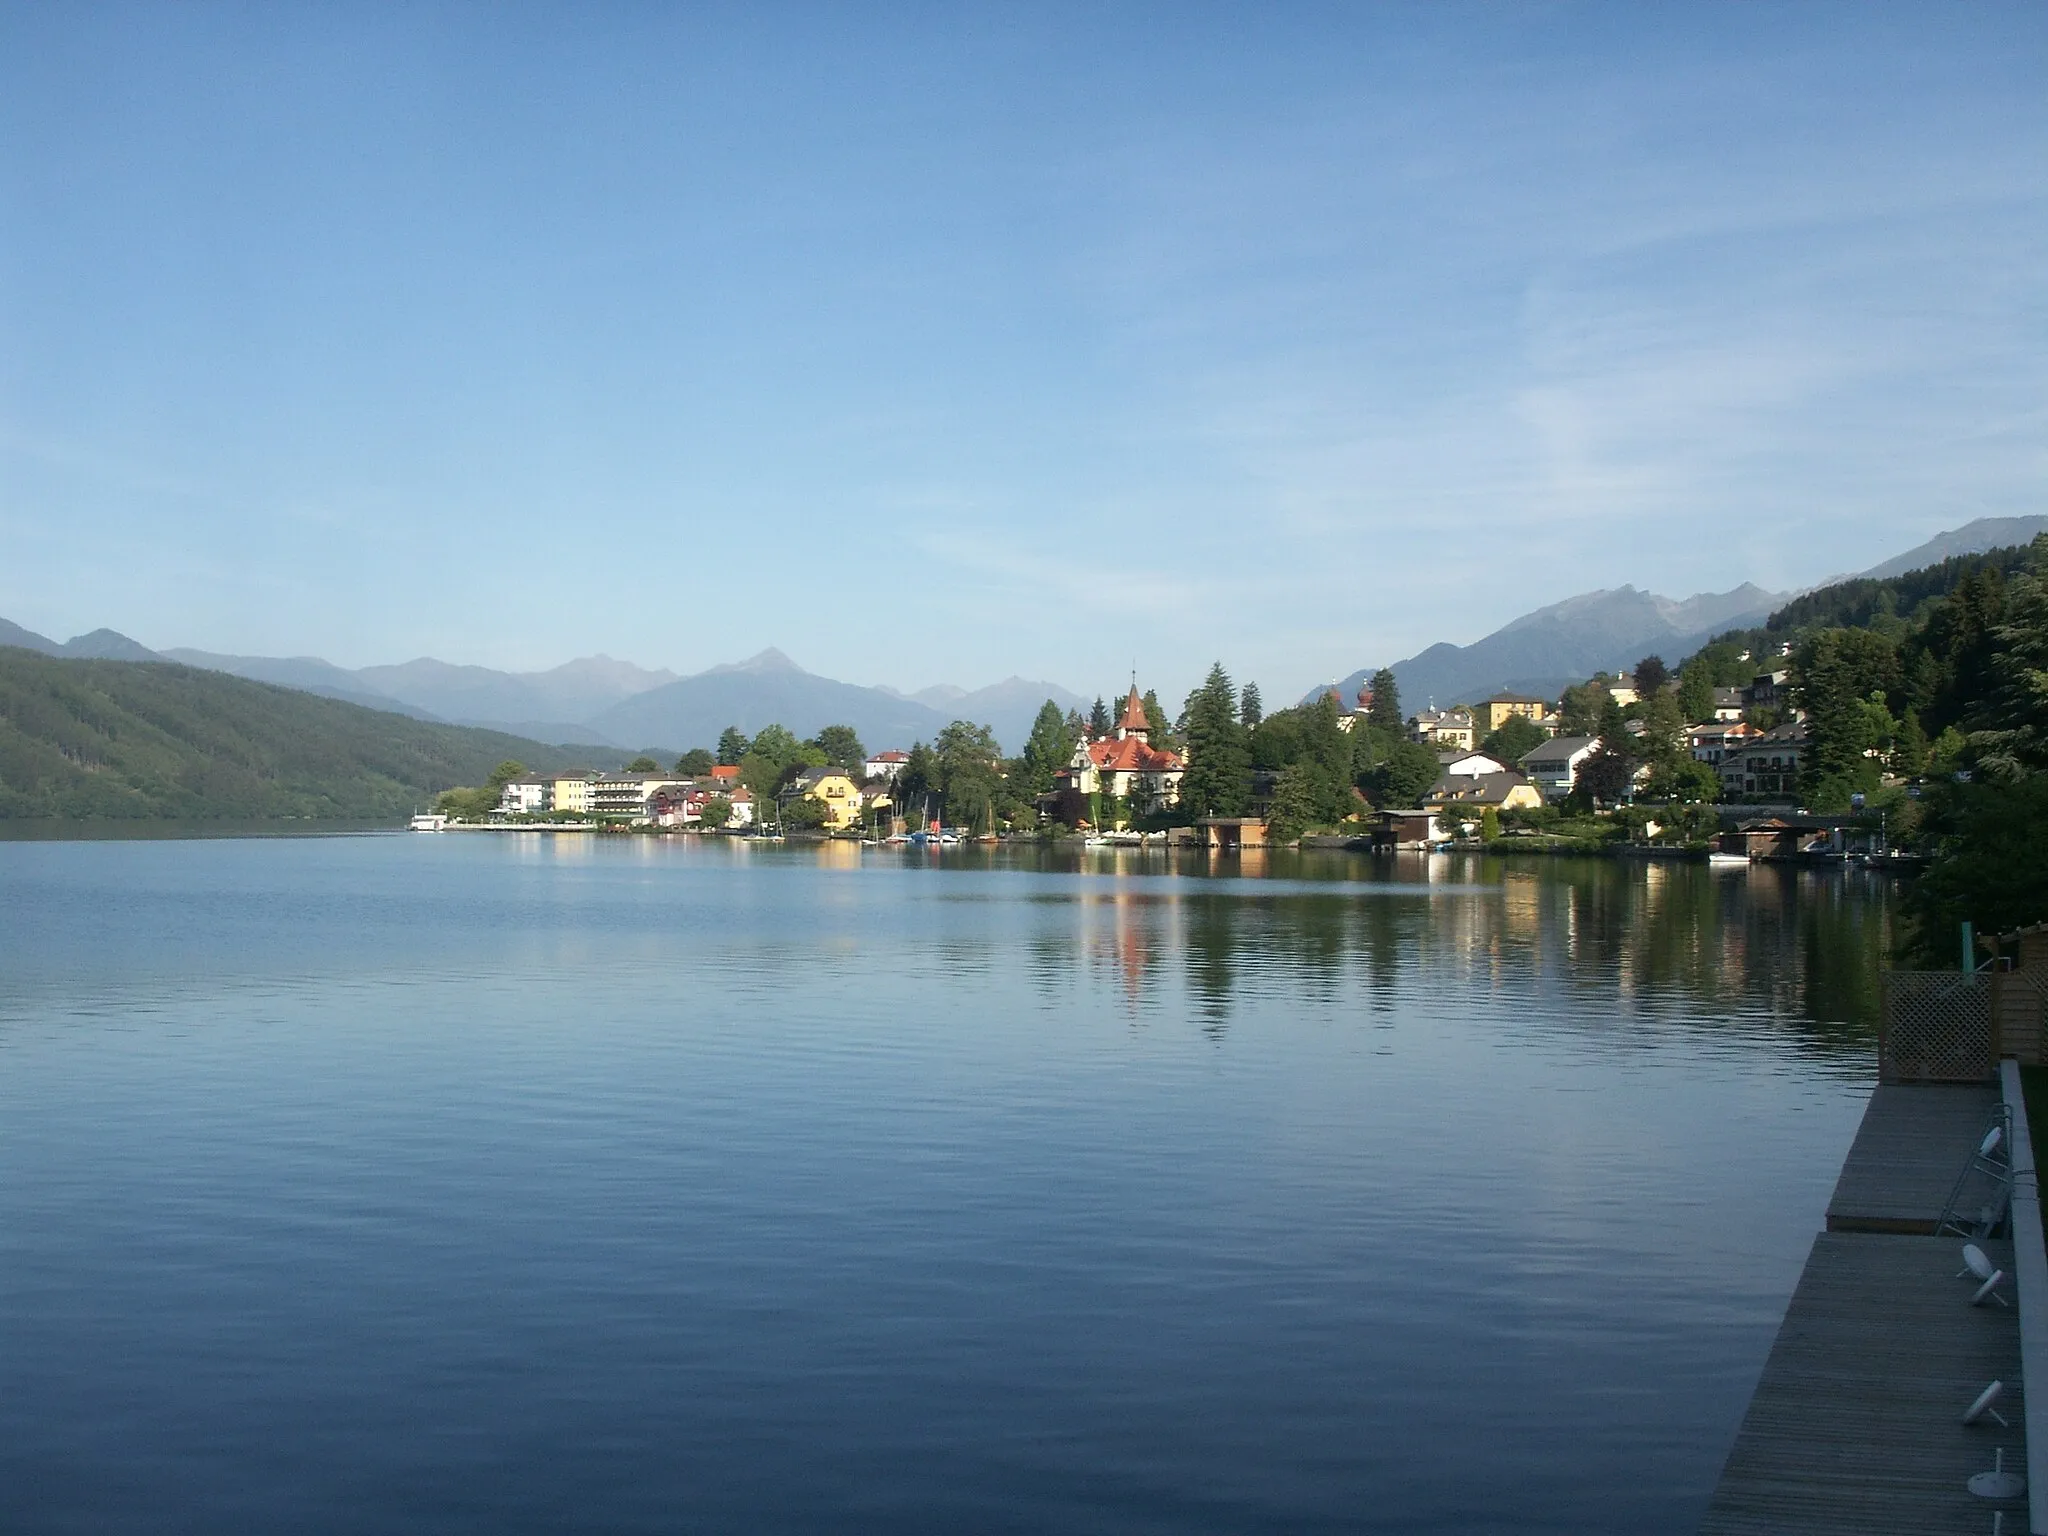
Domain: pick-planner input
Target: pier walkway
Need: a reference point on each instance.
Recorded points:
(1856, 1424)
(1906, 1155)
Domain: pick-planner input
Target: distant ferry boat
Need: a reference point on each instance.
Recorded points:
(429, 822)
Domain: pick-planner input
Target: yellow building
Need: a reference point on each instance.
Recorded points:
(570, 795)
(1497, 711)
(837, 792)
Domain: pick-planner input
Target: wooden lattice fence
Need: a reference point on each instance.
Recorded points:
(1938, 1027)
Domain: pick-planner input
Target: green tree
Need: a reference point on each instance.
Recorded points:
(1098, 719)
(1516, 736)
(1662, 742)
(762, 774)
(1297, 803)
(732, 746)
(1578, 710)
(1049, 748)
(1218, 780)
(915, 789)
(841, 748)
(715, 814)
(773, 756)
(1946, 752)
(1696, 691)
(643, 764)
(1909, 755)
(1687, 782)
(2010, 735)
(1249, 709)
(1159, 730)
(778, 745)
(1961, 639)
(1603, 778)
(1841, 678)
(803, 813)
(1987, 830)
(1326, 748)
(1386, 702)
(1612, 726)
(1276, 741)
(967, 755)
(1650, 676)
(1403, 776)
(695, 763)
(1989, 841)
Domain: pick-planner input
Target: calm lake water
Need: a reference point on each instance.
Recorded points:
(466, 1183)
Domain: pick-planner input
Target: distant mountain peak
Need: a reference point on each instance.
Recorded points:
(770, 660)
(27, 639)
(108, 645)
(606, 673)
(1607, 630)
(1973, 538)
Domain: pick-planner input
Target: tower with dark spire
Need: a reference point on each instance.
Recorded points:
(1134, 722)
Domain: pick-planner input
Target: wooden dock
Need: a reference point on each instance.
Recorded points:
(1907, 1154)
(1856, 1424)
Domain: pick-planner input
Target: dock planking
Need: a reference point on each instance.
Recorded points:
(1856, 1423)
(1913, 1142)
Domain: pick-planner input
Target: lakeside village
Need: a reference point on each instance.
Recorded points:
(1645, 761)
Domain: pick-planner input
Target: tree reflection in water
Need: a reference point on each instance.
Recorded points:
(1616, 942)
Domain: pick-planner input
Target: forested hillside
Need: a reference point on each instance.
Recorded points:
(1896, 602)
(1928, 694)
(146, 739)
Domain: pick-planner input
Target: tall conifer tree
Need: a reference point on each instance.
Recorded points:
(1386, 702)
(1218, 780)
(1249, 709)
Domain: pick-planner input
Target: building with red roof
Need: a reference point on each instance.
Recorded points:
(1125, 763)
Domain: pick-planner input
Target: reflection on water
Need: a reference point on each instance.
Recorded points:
(540, 1183)
(1799, 948)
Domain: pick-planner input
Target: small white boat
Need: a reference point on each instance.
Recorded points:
(1728, 860)
(428, 822)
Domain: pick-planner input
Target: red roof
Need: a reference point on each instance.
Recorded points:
(1134, 713)
(891, 756)
(726, 771)
(1131, 756)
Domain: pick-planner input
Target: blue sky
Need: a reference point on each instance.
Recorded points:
(936, 344)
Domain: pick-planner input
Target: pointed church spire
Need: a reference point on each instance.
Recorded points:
(1134, 722)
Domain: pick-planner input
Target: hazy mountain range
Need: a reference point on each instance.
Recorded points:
(1545, 651)
(600, 701)
(603, 702)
